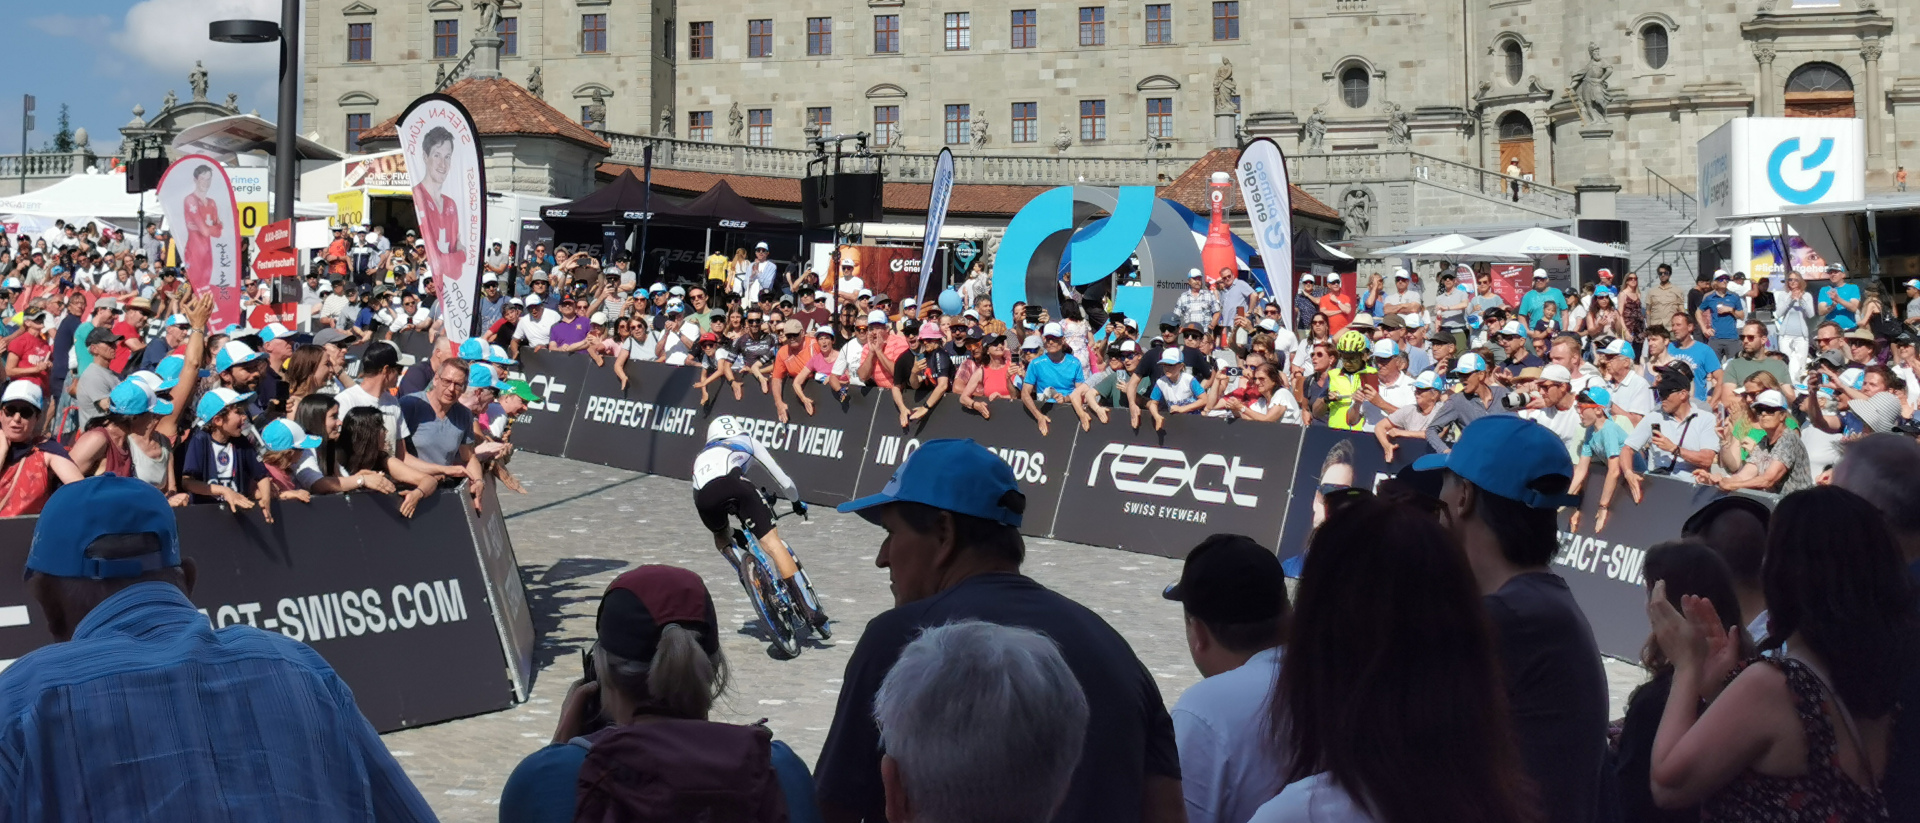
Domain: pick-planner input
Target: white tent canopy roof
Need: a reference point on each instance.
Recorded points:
(105, 196)
(1538, 241)
(1446, 245)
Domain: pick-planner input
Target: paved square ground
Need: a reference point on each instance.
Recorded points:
(580, 525)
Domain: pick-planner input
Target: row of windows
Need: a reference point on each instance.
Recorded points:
(957, 31)
(1024, 33)
(957, 122)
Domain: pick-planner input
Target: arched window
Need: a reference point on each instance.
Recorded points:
(1819, 77)
(1354, 86)
(1516, 61)
(1516, 126)
(1819, 90)
(1653, 45)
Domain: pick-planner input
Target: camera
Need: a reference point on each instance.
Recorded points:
(1515, 401)
(1231, 371)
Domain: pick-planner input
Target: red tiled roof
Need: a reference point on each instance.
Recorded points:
(1190, 189)
(501, 106)
(968, 199)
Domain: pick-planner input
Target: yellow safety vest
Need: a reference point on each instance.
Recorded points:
(1341, 386)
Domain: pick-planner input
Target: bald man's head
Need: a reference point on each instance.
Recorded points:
(1885, 469)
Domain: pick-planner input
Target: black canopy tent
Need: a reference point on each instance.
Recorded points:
(723, 208)
(680, 233)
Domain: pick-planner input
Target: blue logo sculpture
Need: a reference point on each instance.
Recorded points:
(1788, 148)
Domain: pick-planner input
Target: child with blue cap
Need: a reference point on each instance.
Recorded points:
(221, 465)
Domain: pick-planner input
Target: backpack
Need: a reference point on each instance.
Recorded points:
(679, 771)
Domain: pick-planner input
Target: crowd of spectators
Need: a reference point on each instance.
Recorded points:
(124, 375)
(1776, 377)
(1428, 666)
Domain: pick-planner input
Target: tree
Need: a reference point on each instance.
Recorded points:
(62, 141)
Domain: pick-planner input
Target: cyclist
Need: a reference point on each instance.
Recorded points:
(1347, 388)
(721, 489)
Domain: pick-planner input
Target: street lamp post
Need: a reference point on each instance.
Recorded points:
(286, 151)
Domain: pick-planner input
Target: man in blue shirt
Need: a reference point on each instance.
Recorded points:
(1840, 300)
(1057, 375)
(143, 711)
(1719, 317)
(1533, 303)
(1698, 355)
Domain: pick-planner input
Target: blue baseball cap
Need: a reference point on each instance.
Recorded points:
(1604, 291)
(1429, 381)
(283, 434)
(169, 369)
(133, 396)
(960, 476)
(1597, 395)
(1470, 363)
(80, 513)
(1503, 455)
(481, 376)
(274, 331)
(473, 348)
(1618, 348)
(496, 354)
(216, 401)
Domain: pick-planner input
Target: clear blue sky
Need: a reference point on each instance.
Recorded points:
(100, 57)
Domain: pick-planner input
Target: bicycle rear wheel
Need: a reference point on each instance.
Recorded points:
(773, 612)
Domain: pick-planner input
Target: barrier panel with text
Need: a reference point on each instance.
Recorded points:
(404, 609)
(1146, 491)
(1039, 463)
(558, 379)
(1163, 492)
(1603, 568)
(658, 425)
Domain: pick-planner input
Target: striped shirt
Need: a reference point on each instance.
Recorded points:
(151, 714)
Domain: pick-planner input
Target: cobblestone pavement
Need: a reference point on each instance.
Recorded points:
(580, 525)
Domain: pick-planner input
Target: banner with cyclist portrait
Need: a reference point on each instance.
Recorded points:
(1329, 459)
(1163, 492)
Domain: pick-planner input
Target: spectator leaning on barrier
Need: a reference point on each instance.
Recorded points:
(633, 741)
(1678, 436)
(119, 720)
(972, 705)
(1506, 478)
(1234, 598)
(440, 431)
(953, 551)
(1475, 396)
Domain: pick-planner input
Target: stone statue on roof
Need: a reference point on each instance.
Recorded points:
(1225, 89)
(198, 80)
(736, 124)
(489, 15)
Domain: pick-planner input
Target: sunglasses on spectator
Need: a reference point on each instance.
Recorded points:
(25, 411)
(1750, 337)
(1768, 410)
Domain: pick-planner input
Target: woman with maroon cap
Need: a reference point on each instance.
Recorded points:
(653, 673)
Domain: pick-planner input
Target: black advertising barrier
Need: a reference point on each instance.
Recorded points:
(399, 607)
(1038, 463)
(1140, 491)
(653, 425)
(822, 451)
(558, 378)
(1162, 493)
(1335, 456)
(506, 594)
(1603, 568)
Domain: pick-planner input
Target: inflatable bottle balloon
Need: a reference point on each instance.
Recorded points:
(1217, 252)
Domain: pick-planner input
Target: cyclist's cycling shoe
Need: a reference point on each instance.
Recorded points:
(808, 610)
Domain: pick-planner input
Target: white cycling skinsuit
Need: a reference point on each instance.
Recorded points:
(721, 487)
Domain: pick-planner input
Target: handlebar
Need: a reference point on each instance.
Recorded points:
(799, 507)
